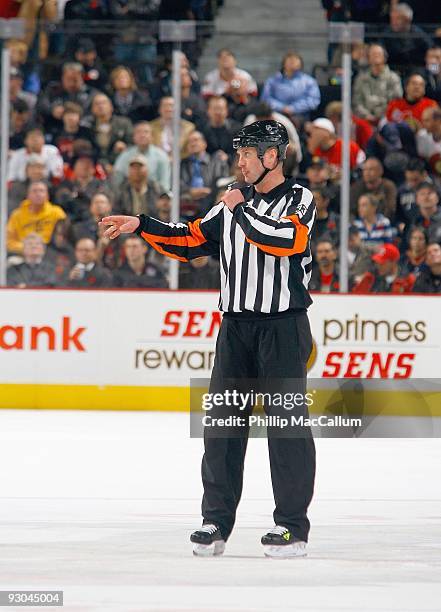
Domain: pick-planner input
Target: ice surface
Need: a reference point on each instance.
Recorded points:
(101, 505)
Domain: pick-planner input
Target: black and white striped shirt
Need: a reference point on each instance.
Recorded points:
(263, 246)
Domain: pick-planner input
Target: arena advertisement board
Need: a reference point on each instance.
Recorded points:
(139, 349)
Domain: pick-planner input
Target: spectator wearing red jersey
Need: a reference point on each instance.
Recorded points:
(410, 107)
(9, 9)
(323, 142)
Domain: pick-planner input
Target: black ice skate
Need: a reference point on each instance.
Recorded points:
(279, 542)
(207, 541)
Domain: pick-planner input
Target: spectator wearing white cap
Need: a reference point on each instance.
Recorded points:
(323, 142)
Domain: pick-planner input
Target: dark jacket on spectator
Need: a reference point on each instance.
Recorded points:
(427, 283)
(386, 195)
(207, 277)
(136, 107)
(37, 275)
(220, 138)
(121, 129)
(212, 169)
(315, 283)
(55, 95)
(75, 199)
(152, 277)
(329, 227)
(61, 259)
(408, 49)
(124, 201)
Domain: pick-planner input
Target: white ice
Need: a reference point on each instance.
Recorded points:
(101, 505)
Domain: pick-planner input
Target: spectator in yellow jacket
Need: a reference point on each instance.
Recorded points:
(34, 215)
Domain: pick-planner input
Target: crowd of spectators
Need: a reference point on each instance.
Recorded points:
(93, 135)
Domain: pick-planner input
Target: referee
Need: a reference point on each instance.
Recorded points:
(261, 232)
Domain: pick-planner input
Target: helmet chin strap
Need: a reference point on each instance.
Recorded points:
(265, 171)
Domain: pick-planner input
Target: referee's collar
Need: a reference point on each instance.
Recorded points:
(278, 191)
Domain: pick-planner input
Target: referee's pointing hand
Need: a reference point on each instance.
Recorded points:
(232, 198)
(119, 224)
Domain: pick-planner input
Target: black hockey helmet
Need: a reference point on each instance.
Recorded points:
(263, 135)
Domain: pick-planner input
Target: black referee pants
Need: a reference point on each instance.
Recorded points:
(260, 349)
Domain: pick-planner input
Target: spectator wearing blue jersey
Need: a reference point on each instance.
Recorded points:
(291, 91)
(375, 229)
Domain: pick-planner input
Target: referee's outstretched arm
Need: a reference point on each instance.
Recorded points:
(183, 241)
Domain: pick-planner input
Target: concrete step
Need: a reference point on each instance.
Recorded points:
(260, 32)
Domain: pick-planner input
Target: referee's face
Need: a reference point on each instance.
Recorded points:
(249, 163)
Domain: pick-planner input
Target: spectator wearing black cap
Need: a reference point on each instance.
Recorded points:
(429, 281)
(16, 92)
(327, 223)
(20, 123)
(94, 73)
(138, 193)
(318, 175)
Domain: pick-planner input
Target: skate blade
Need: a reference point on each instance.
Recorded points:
(285, 552)
(209, 550)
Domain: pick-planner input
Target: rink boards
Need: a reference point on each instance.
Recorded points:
(138, 350)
